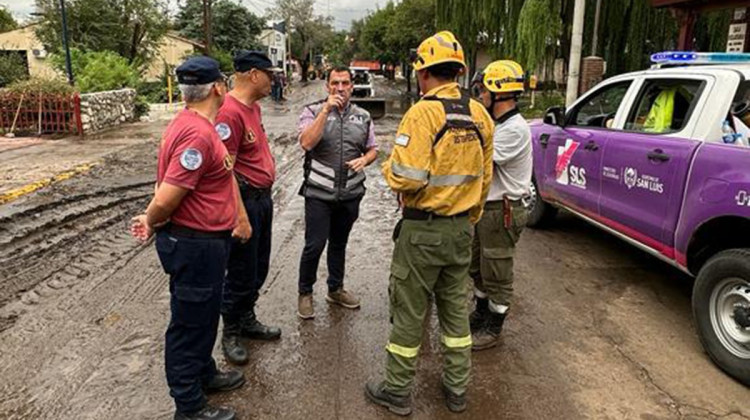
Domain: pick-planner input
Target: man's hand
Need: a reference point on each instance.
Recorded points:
(334, 101)
(357, 164)
(243, 231)
(140, 229)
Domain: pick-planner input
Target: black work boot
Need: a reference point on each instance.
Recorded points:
(376, 392)
(455, 402)
(225, 381)
(234, 351)
(479, 316)
(488, 336)
(207, 413)
(253, 329)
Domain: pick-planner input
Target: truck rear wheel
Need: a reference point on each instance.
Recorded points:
(721, 307)
(541, 213)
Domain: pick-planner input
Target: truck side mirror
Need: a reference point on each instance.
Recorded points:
(555, 116)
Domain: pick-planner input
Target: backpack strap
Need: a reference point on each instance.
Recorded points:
(457, 116)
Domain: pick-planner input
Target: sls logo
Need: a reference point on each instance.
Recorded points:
(630, 177)
(565, 173)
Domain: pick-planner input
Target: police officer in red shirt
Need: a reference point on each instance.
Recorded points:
(195, 213)
(240, 128)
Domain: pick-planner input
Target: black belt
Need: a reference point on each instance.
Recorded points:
(187, 232)
(253, 192)
(416, 214)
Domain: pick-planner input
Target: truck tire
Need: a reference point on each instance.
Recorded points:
(721, 308)
(541, 213)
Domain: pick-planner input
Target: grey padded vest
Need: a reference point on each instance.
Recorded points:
(344, 138)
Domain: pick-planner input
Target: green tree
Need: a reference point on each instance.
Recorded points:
(12, 68)
(381, 35)
(309, 33)
(233, 26)
(539, 29)
(131, 28)
(7, 23)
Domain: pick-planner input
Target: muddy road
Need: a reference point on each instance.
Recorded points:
(599, 330)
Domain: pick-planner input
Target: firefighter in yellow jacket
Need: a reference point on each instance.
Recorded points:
(441, 168)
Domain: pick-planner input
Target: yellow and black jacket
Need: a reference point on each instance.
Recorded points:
(442, 157)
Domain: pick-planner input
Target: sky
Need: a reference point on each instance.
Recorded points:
(343, 11)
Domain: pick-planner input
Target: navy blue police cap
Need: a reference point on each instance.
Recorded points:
(245, 60)
(199, 70)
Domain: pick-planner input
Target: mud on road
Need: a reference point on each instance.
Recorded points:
(598, 330)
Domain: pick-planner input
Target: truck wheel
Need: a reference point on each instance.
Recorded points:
(721, 307)
(541, 213)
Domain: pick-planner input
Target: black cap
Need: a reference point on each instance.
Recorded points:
(245, 60)
(199, 70)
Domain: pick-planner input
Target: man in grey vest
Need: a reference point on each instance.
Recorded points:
(339, 142)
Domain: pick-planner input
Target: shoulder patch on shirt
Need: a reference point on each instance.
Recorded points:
(402, 140)
(223, 130)
(191, 159)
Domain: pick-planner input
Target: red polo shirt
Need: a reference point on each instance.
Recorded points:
(191, 156)
(239, 126)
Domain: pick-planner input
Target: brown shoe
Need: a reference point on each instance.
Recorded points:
(343, 298)
(305, 308)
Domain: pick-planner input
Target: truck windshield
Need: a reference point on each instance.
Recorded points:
(361, 78)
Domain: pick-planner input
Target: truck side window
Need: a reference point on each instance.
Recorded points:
(599, 109)
(664, 106)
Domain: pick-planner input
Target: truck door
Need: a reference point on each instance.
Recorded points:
(644, 167)
(572, 154)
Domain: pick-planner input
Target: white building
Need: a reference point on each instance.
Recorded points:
(274, 39)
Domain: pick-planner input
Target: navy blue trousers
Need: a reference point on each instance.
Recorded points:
(196, 275)
(248, 263)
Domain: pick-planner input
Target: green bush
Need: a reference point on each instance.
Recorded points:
(99, 71)
(12, 68)
(46, 86)
(141, 106)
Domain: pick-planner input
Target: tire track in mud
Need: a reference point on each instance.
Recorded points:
(42, 242)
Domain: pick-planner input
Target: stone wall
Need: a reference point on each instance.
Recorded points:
(102, 110)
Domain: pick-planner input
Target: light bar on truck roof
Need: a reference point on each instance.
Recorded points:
(689, 57)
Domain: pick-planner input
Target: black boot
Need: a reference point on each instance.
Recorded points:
(253, 329)
(478, 318)
(233, 349)
(488, 336)
(225, 381)
(207, 413)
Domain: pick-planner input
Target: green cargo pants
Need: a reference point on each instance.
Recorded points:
(492, 251)
(430, 257)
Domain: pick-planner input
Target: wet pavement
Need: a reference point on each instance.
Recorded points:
(598, 330)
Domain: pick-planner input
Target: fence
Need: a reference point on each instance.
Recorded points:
(35, 113)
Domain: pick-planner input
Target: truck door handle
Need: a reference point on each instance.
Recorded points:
(544, 140)
(591, 146)
(657, 155)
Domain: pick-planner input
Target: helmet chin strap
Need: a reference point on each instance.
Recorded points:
(494, 99)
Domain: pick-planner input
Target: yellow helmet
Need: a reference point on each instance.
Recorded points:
(503, 76)
(443, 47)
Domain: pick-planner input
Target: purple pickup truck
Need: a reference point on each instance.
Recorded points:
(659, 158)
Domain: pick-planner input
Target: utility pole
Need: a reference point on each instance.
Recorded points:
(595, 40)
(207, 24)
(68, 66)
(574, 66)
